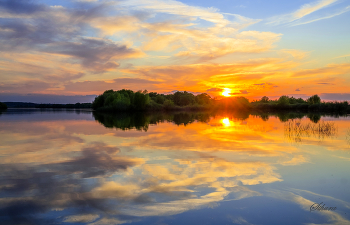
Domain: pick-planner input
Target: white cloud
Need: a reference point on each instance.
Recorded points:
(192, 37)
(81, 218)
(346, 9)
(300, 13)
(179, 8)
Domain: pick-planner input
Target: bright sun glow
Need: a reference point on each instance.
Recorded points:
(226, 122)
(226, 92)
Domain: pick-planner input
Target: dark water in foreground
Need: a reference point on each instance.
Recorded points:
(65, 167)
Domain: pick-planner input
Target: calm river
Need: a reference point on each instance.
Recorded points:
(76, 167)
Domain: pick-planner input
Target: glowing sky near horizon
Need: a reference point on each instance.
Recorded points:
(254, 48)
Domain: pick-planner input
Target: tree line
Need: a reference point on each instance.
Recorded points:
(128, 100)
(311, 104)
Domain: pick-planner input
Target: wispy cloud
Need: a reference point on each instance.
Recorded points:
(300, 13)
(188, 32)
(179, 8)
(346, 9)
(299, 197)
(296, 53)
(332, 69)
(342, 56)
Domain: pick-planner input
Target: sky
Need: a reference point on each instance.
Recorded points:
(255, 48)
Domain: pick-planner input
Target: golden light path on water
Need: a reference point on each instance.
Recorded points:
(123, 172)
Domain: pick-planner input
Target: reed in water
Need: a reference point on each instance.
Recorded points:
(294, 131)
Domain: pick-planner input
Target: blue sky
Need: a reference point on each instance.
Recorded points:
(84, 47)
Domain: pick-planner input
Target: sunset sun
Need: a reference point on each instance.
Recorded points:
(226, 92)
(226, 122)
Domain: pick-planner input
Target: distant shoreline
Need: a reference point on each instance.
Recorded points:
(254, 107)
(48, 105)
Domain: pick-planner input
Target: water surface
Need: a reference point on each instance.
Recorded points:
(76, 167)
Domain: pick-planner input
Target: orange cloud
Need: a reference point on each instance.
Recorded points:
(332, 69)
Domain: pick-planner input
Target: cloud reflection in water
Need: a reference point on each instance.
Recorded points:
(63, 171)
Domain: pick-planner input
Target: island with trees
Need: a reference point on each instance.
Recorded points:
(128, 100)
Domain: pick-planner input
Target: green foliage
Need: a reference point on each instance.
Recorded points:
(98, 102)
(315, 99)
(292, 100)
(127, 100)
(183, 98)
(264, 99)
(3, 106)
(121, 100)
(160, 99)
(300, 100)
(203, 99)
(141, 99)
(170, 97)
(154, 106)
(168, 104)
(152, 94)
(339, 107)
(283, 100)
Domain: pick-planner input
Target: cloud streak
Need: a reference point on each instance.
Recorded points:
(346, 9)
(179, 8)
(301, 12)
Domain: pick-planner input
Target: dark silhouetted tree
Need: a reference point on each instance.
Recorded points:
(203, 99)
(160, 99)
(283, 100)
(141, 99)
(264, 99)
(315, 99)
(183, 98)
